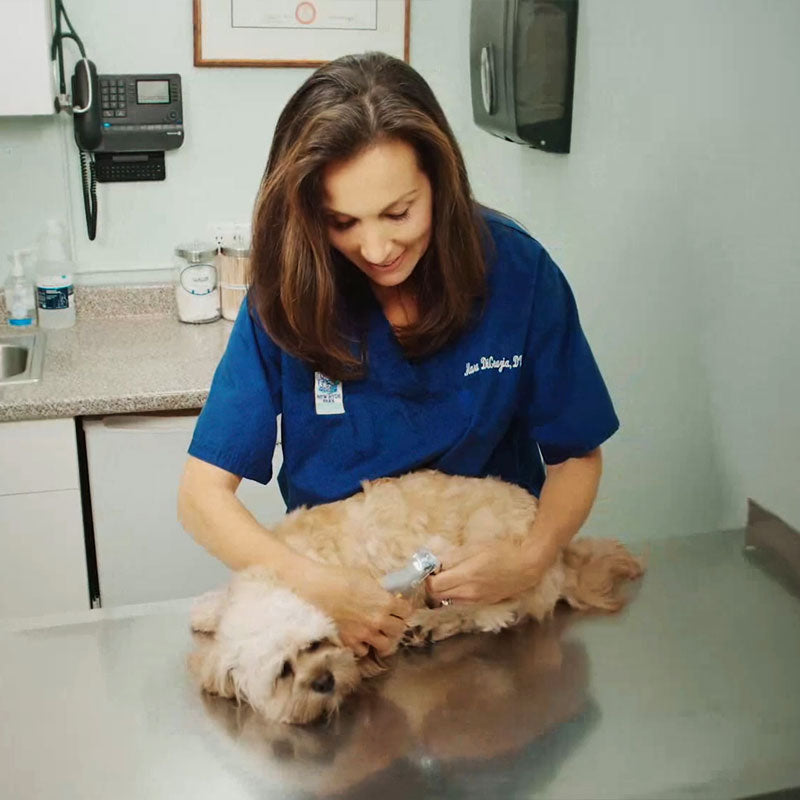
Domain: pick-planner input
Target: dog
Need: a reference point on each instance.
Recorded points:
(259, 642)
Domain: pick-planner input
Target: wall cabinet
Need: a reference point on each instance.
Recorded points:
(42, 551)
(26, 30)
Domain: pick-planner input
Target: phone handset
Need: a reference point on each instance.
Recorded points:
(88, 134)
(86, 105)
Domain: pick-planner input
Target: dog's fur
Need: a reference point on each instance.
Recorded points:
(262, 643)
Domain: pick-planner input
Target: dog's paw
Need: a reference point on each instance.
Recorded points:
(434, 624)
(449, 625)
(416, 636)
(491, 619)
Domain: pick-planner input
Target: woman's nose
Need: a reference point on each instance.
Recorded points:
(375, 247)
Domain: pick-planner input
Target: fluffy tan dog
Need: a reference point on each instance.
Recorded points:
(263, 644)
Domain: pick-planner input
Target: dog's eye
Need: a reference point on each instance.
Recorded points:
(287, 669)
(314, 646)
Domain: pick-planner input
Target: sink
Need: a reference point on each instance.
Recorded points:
(21, 358)
(13, 360)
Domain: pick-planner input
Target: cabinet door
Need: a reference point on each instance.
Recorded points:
(38, 456)
(42, 554)
(25, 33)
(143, 554)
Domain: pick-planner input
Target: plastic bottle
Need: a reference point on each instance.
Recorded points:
(55, 293)
(20, 302)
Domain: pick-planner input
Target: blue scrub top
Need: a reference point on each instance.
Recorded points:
(521, 382)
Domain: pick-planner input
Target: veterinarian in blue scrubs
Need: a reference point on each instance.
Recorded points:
(394, 325)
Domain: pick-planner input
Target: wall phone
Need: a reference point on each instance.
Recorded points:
(127, 113)
(123, 124)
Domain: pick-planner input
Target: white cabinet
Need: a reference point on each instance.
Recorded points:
(38, 456)
(42, 552)
(26, 29)
(143, 554)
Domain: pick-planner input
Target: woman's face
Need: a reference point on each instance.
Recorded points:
(378, 207)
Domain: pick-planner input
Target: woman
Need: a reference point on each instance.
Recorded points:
(394, 325)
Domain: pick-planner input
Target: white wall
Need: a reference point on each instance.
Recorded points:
(743, 244)
(675, 217)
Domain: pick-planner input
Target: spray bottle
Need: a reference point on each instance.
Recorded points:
(20, 298)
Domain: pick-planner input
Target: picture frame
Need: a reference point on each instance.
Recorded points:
(296, 33)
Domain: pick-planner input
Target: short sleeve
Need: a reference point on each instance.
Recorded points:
(569, 410)
(236, 430)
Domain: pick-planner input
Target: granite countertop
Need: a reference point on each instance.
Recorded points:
(141, 359)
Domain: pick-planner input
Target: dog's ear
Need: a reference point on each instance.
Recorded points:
(207, 610)
(206, 667)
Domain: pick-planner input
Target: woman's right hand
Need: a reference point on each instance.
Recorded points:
(365, 614)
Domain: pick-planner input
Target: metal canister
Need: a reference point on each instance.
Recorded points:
(196, 282)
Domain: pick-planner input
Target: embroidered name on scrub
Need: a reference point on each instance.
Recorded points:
(490, 362)
(328, 395)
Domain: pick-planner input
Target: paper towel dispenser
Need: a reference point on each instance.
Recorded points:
(522, 67)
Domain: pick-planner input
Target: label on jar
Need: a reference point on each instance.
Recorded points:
(54, 298)
(199, 279)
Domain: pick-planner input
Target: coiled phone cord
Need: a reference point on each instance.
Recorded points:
(89, 181)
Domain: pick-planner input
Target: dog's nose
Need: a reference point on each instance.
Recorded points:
(324, 683)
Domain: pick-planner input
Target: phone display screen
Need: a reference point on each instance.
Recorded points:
(152, 92)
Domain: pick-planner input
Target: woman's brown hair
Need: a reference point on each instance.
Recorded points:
(308, 296)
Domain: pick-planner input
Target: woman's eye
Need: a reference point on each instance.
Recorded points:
(397, 217)
(287, 669)
(340, 226)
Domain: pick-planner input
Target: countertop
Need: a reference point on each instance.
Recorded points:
(692, 691)
(122, 365)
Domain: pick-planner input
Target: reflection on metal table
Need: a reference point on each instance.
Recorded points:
(692, 691)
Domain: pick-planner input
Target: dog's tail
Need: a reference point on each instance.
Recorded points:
(595, 570)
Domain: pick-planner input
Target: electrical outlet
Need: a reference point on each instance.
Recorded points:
(223, 233)
(230, 234)
(242, 234)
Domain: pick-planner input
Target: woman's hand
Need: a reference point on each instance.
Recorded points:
(365, 614)
(491, 573)
(500, 569)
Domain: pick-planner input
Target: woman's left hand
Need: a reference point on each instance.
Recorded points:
(489, 574)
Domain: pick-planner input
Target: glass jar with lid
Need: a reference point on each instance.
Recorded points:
(234, 277)
(196, 283)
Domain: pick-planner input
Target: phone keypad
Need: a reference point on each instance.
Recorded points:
(113, 98)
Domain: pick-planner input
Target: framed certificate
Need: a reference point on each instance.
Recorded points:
(296, 33)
